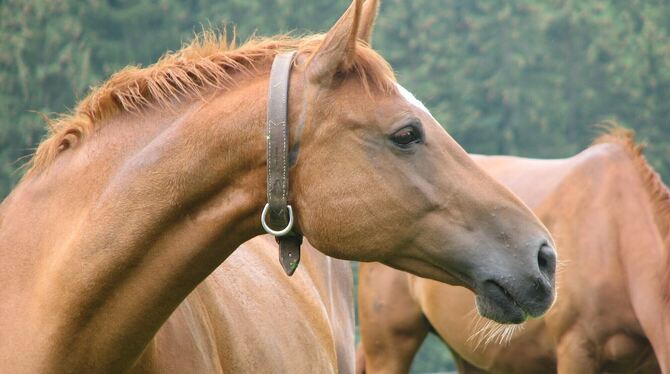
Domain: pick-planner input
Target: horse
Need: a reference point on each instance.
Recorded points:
(160, 174)
(223, 325)
(609, 213)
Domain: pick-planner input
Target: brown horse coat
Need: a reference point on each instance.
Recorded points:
(223, 325)
(608, 212)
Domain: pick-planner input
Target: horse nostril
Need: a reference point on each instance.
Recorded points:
(546, 261)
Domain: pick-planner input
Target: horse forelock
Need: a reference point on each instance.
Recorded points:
(210, 62)
(658, 192)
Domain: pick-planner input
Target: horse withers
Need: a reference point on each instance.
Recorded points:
(610, 215)
(160, 174)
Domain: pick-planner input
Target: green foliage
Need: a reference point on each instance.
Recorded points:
(433, 357)
(526, 77)
(530, 77)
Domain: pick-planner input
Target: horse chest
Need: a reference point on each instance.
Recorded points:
(627, 353)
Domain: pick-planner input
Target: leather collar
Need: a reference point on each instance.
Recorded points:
(277, 216)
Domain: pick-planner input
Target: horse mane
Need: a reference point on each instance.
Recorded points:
(209, 62)
(658, 192)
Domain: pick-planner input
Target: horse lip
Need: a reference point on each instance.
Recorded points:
(507, 295)
(467, 282)
(493, 293)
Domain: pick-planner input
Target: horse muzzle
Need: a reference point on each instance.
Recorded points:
(514, 298)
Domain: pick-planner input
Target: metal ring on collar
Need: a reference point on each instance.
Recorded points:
(270, 231)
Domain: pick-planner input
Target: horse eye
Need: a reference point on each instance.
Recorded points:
(406, 136)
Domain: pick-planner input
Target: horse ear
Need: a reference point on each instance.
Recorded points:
(368, 16)
(338, 49)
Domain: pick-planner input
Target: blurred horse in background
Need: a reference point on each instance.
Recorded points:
(609, 213)
(161, 173)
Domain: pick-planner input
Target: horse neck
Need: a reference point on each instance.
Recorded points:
(643, 253)
(113, 254)
(601, 214)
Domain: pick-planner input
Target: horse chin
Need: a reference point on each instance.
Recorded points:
(500, 307)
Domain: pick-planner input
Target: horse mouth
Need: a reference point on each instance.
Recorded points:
(495, 302)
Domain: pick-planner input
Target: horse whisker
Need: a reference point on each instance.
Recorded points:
(485, 331)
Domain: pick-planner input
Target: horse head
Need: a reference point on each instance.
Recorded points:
(379, 179)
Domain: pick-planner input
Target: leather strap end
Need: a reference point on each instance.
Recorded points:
(289, 252)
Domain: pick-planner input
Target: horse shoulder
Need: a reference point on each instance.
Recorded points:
(248, 316)
(588, 213)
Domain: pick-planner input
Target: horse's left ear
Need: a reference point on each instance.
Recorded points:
(338, 49)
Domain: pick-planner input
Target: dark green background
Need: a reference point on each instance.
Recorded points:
(517, 77)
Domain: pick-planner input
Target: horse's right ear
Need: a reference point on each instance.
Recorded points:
(338, 49)
(368, 16)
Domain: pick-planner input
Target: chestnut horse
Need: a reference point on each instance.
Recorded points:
(609, 213)
(248, 317)
(160, 174)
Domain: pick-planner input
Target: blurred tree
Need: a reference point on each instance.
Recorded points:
(531, 77)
